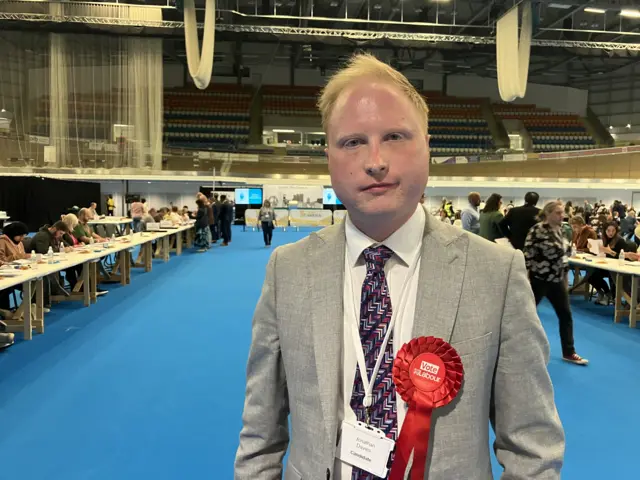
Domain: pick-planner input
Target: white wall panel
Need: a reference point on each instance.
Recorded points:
(558, 99)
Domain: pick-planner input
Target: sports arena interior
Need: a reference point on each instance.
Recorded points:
(151, 102)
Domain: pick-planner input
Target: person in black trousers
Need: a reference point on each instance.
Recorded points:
(545, 249)
(519, 220)
(215, 227)
(226, 217)
(267, 218)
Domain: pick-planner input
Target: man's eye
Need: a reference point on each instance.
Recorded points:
(352, 142)
(394, 136)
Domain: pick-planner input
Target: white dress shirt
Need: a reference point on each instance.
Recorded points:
(405, 243)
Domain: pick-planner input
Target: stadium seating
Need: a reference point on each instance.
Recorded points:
(457, 125)
(549, 131)
(215, 118)
(290, 101)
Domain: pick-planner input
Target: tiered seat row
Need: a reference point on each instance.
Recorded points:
(290, 101)
(215, 118)
(549, 131)
(457, 125)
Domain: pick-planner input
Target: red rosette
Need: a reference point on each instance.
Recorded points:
(428, 374)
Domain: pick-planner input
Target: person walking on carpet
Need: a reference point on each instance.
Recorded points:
(267, 219)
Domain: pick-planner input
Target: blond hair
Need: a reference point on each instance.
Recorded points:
(70, 221)
(365, 65)
(548, 209)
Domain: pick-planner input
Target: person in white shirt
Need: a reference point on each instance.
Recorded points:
(392, 272)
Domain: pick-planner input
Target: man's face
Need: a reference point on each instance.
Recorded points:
(58, 234)
(378, 150)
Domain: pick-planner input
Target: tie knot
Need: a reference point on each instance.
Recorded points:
(376, 257)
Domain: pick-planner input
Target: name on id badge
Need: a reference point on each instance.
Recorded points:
(365, 447)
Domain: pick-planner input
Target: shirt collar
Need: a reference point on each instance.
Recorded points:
(405, 242)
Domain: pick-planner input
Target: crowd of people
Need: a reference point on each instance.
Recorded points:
(548, 237)
(213, 216)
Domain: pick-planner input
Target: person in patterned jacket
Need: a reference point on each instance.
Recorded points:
(545, 251)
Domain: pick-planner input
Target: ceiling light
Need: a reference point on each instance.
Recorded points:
(628, 125)
(610, 127)
(630, 13)
(559, 5)
(283, 130)
(595, 10)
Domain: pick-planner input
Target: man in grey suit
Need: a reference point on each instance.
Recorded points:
(423, 278)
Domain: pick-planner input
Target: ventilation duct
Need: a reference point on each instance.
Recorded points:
(200, 66)
(513, 52)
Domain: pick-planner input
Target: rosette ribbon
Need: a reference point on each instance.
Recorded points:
(428, 374)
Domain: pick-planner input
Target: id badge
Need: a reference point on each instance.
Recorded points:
(365, 447)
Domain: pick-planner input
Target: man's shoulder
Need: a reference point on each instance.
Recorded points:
(479, 250)
(305, 245)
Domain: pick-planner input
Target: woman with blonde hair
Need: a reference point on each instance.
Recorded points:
(267, 219)
(545, 251)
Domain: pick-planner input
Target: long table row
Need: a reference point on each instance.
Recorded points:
(31, 275)
(619, 270)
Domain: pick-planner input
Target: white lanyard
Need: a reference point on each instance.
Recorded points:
(367, 383)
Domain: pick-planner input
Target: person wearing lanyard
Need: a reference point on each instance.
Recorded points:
(337, 306)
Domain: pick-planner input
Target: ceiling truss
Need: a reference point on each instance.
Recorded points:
(316, 32)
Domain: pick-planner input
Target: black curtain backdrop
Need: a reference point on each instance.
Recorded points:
(37, 201)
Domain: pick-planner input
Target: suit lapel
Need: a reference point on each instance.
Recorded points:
(326, 273)
(442, 268)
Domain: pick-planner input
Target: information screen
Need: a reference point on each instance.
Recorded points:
(248, 196)
(329, 197)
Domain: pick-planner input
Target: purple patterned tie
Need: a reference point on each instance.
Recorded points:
(375, 317)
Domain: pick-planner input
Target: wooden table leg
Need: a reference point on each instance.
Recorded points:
(179, 243)
(26, 300)
(86, 282)
(190, 237)
(620, 312)
(127, 257)
(40, 305)
(148, 256)
(94, 281)
(122, 262)
(166, 248)
(633, 314)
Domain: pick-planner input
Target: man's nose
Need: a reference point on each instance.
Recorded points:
(377, 165)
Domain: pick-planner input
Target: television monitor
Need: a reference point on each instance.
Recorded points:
(329, 197)
(248, 196)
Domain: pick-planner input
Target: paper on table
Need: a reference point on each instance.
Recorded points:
(595, 246)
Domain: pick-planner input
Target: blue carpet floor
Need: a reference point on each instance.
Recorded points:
(149, 382)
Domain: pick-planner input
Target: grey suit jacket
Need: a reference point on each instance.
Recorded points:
(472, 293)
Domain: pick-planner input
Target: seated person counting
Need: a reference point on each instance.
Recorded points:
(582, 233)
(50, 236)
(83, 231)
(173, 216)
(11, 246)
(69, 238)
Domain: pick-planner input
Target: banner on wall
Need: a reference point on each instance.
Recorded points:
(282, 216)
(306, 196)
(251, 217)
(455, 160)
(339, 215)
(310, 218)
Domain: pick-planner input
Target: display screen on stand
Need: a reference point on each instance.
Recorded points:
(248, 196)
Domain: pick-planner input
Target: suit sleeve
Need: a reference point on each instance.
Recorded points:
(265, 433)
(529, 435)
